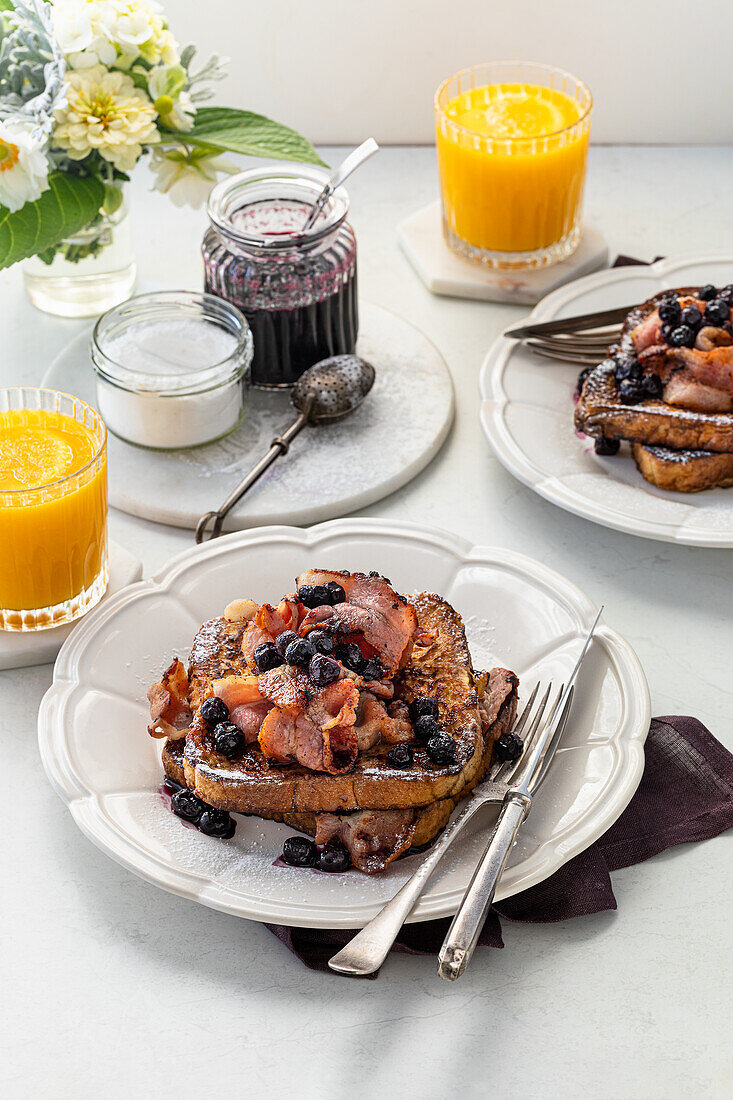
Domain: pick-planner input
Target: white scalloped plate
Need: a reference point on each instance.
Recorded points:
(527, 417)
(99, 758)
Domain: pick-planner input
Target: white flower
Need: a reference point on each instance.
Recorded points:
(79, 30)
(187, 176)
(23, 167)
(106, 112)
(113, 33)
(173, 104)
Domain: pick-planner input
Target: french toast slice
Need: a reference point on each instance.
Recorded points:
(601, 413)
(376, 837)
(683, 471)
(250, 784)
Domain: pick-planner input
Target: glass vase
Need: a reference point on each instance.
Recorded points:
(89, 273)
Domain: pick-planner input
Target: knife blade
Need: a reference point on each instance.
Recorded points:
(571, 324)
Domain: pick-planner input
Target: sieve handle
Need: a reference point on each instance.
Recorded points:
(280, 446)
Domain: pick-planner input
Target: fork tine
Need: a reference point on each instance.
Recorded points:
(551, 717)
(507, 770)
(556, 738)
(580, 343)
(521, 721)
(565, 356)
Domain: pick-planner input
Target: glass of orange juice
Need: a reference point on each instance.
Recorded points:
(53, 508)
(512, 141)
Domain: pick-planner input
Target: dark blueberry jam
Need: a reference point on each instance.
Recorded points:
(298, 292)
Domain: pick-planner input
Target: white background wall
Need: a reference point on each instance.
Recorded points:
(660, 70)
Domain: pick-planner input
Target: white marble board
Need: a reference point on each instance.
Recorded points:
(330, 471)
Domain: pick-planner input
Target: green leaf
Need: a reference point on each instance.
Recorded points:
(6, 5)
(67, 206)
(245, 132)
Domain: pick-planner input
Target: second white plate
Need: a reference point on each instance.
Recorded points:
(527, 417)
(98, 756)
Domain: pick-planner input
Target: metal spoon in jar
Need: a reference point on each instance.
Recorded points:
(348, 165)
(326, 392)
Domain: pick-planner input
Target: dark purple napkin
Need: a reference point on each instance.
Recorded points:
(685, 794)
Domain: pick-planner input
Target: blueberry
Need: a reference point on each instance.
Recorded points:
(299, 653)
(333, 857)
(266, 657)
(508, 747)
(726, 294)
(313, 595)
(682, 337)
(399, 756)
(627, 367)
(323, 670)
(321, 641)
(717, 313)
(283, 641)
(185, 804)
(630, 392)
(217, 823)
(349, 654)
(605, 446)
(228, 739)
(652, 386)
(666, 333)
(706, 292)
(336, 593)
(425, 707)
(214, 710)
(442, 749)
(372, 670)
(670, 311)
(691, 316)
(298, 851)
(425, 728)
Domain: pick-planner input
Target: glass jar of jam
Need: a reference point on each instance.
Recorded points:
(297, 289)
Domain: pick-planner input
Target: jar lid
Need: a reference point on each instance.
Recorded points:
(172, 343)
(264, 209)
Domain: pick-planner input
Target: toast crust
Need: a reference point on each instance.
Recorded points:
(683, 471)
(250, 784)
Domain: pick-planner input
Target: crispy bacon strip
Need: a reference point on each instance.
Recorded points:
(321, 736)
(372, 610)
(170, 710)
(374, 723)
(374, 838)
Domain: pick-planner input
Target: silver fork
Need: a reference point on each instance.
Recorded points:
(582, 340)
(366, 952)
(463, 934)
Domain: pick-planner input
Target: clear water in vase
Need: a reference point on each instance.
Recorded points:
(102, 275)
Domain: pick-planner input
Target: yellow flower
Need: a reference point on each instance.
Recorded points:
(106, 112)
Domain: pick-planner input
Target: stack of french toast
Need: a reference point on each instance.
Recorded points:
(347, 711)
(667, 388)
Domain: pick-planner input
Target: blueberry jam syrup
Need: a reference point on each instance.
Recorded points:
(298, 291)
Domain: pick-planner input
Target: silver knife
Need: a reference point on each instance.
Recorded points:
(571, 324)
(463, 934)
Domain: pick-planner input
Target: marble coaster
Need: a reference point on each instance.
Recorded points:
(421, 238)
(18, 649)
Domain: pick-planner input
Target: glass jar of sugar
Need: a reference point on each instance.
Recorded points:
(173, 369)
(297, 289)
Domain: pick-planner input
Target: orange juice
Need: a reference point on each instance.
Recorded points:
(512, 158)
(53, 509)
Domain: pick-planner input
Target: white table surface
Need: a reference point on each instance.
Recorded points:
(114, 989)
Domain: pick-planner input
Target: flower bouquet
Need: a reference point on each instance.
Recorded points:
(88, 87)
